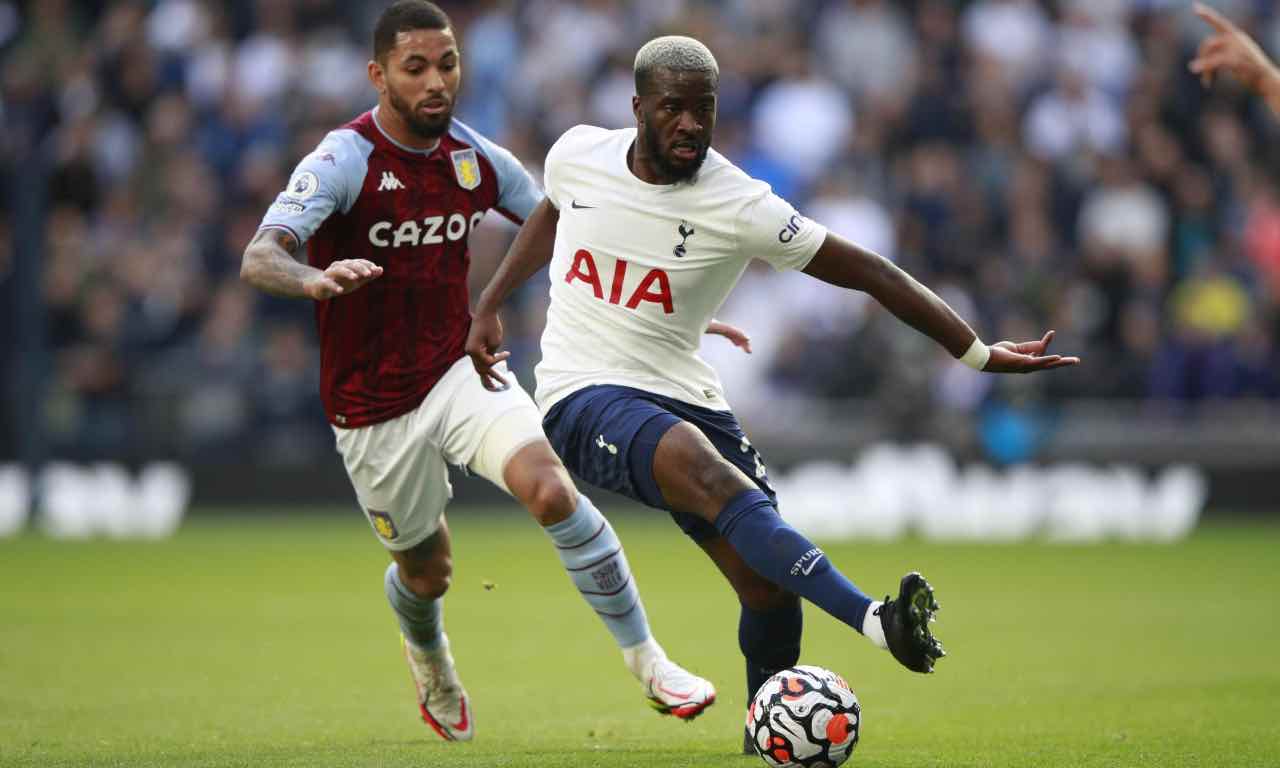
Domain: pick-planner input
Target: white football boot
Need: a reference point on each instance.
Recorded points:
(672, 690)
(441, 698)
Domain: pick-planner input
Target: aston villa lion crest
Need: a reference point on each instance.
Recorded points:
(466, 167)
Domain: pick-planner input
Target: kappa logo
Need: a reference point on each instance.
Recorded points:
(389, 182)
(383, 524)
(686, 230)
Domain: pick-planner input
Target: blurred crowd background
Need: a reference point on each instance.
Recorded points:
(1040, 164)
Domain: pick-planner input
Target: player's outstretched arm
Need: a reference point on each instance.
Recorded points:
(269, 265)
(844, 264)
(1230, 49)
(530, 252)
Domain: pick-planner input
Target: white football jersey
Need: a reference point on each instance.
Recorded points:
(640, 269)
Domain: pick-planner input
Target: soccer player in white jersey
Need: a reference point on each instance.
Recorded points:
(384, 206)
(646, 231)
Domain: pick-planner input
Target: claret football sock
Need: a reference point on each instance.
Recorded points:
(421, 620)
(782, 555)
(595, 562)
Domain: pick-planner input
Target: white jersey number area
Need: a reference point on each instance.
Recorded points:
(639, 269)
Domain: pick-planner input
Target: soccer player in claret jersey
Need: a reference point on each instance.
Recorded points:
(385, 205)
(647, 230)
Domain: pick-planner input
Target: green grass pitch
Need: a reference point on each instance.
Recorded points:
(266, 641)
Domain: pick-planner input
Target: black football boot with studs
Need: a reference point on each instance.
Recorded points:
(906, 624)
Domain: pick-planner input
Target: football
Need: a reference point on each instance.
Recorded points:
(804, 716)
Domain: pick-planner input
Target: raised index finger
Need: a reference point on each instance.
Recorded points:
(1213, 18)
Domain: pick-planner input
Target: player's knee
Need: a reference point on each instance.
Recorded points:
(718, 481)
(429, 582)
(552, 498)
(433, 586)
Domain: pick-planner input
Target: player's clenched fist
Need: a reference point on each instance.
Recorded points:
(342, 277)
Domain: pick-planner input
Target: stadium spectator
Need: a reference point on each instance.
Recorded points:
(1050, 162)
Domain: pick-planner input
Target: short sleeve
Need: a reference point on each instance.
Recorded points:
(551, 172)
(771, 230)
(554, 167)
(327, 180)
(518, 193)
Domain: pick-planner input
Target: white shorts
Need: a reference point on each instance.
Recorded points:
(400, 467)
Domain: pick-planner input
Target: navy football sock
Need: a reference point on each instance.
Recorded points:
(770, 641)
(782, 555)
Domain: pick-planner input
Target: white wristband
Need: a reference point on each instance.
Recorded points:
(977, 355)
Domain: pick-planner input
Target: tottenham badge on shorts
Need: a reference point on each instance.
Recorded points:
(466, 167)
(383, 525)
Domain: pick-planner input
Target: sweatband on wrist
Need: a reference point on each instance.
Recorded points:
(977, 355)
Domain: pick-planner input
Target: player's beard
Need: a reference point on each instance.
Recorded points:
(668, 169)
(427, 128)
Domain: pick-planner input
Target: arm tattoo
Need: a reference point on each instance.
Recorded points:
(278, 236)
(269, 264)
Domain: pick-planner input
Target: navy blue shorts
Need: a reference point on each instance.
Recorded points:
(607, 435)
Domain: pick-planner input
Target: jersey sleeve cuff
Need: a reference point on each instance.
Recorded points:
(819, 237)
(286, 228)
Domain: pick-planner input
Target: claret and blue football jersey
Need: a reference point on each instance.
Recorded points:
(362, 195)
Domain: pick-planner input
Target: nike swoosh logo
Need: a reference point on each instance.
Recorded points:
(574, 204)
(462, 724)
(676, 694)
(809, 568)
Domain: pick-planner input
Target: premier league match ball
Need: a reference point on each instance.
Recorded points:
(804, 716)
